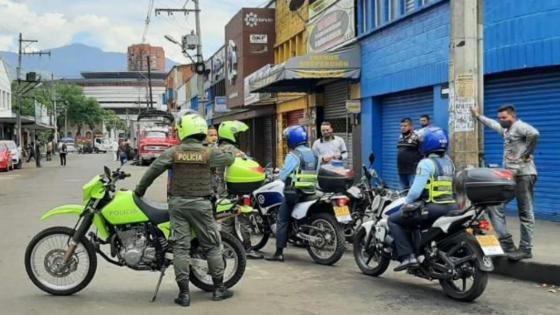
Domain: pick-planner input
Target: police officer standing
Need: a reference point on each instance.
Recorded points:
(189, 202)
(433, 184)
(228, 142)
(300, 167)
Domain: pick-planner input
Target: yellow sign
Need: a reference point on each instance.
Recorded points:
(354, 106)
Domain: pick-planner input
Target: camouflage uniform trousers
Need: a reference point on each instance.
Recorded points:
(188, 215)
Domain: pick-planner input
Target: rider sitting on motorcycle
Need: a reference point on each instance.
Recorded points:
(228, 142)
(300, 177)
(433, 185)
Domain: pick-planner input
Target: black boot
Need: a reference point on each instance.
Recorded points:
(220, 291)
(278, 255)
(184, 298)
(507, 244)
(521, 253)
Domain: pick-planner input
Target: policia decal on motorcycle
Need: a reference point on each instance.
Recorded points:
(62, 261)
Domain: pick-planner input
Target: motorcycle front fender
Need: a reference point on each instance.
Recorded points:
(77, 210)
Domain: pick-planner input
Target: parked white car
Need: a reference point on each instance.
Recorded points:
(102, 145)
(17, 156)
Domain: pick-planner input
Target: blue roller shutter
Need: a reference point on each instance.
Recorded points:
(537, 99)
(394, 108)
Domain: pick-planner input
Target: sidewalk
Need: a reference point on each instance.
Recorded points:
(545, 265)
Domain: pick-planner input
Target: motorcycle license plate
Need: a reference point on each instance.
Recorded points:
(342, 214)
(490, 245)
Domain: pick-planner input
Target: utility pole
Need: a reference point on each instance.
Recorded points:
(466, 81)
(150, 83)
(199, 64)
(21, 52)
(53, 95)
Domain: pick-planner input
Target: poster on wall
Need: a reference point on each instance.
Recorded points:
(332, 27)
(218, 65)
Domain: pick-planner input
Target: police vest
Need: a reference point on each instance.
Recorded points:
(192, 176)
(439, 188)
(304, 177)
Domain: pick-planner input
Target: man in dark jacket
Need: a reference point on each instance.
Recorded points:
(408, 154)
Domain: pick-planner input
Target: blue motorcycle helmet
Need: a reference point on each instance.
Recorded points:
(433, 140)
(295, 135)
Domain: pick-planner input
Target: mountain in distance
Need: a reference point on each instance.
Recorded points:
(68, 61)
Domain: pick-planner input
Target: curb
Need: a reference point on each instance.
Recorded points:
(528, 270)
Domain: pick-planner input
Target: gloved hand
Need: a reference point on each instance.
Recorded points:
(411, 209)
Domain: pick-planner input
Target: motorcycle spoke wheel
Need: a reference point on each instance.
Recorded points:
(326, 245)
(201, 270)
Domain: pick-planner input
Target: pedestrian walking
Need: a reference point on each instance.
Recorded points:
(329, 147)
(408, 154)
(520, 141)
(115, 149)
(62, 154)
(49, 150)
(30, 152)
(38, 153)
(123, 153)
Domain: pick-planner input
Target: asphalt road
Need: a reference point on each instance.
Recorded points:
(297, 286)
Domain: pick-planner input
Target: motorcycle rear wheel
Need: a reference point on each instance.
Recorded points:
(234, 253)
(260, 231)
(43, 258)
(363, 259)
(334, 236)
(478, 279)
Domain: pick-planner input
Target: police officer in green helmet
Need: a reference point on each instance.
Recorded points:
(189, 202)
(228, 141)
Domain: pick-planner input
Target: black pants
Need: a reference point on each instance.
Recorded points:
(406, 230)
(62, 159)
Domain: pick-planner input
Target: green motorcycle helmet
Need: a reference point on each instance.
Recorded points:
(229, 130)
(191, 125)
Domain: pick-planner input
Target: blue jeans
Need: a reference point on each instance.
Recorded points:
(406, 230)
(524, 195)
(406, 180)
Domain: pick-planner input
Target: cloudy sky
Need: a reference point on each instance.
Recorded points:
(112, 25)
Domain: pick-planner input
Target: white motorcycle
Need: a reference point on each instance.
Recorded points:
(315, 221)
(454, 249)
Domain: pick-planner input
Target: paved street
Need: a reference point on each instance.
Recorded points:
(297, 286)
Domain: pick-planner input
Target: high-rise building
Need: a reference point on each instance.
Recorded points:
(137, 58)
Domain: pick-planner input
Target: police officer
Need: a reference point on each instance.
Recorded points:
(300, 177)
(228, 132)
(189, 202)
(433, 184)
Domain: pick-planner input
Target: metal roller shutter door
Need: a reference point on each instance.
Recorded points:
(394, 109)
(537, 99)
(336, 95)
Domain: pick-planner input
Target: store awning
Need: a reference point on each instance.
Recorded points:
(243, 114)
(304, 73)
(27, 122)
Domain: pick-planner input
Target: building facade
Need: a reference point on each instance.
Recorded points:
(138, 58)
(405, 62)
(6, 128)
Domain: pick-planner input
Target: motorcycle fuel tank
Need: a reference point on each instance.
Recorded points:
(123, 210)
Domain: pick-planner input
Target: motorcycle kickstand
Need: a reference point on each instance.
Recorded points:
(159, 283)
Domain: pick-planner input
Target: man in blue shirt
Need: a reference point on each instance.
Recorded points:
(433, 184)
(299, 165)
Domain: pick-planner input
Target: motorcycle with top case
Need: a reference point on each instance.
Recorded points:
(62, 261)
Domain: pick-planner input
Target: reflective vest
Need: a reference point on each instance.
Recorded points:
(439, 189)
(304, 177)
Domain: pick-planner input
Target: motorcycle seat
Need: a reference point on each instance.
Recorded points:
(456, 212)
(156, 215)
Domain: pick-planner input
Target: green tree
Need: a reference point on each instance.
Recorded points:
(81, 110)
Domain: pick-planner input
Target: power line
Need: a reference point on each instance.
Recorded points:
(147, 23)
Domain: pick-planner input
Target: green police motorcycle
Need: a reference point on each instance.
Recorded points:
(62, 260)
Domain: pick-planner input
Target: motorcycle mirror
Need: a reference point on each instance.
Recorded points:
(107, 171)
(371, 158)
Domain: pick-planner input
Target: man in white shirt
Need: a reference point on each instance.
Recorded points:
(329, 147)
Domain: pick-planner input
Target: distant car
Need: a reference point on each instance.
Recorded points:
(17, 156)
(5, 158)
(70, 146)
(102, 145)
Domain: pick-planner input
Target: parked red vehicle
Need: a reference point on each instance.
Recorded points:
(155, 135)
(5, 158)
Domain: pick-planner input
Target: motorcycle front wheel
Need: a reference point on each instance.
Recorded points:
(330, 244)
(370, 261)
(260, 231)
(469, 282)
(44, 262)
(235, 261)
